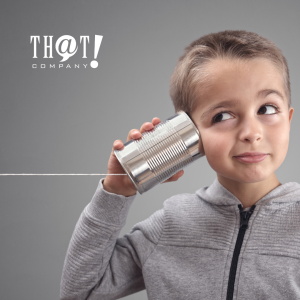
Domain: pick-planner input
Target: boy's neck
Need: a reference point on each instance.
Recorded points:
(249, 193)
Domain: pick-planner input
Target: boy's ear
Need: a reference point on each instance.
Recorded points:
(291, 111)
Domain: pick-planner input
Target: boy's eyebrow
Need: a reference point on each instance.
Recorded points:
(266, 92)
(231, 103)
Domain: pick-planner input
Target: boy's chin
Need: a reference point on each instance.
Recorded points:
(246, 178)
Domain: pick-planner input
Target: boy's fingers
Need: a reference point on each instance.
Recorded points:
(175, 177)
(133, 134)
(117, 145)
(155, 121)
(146, 126)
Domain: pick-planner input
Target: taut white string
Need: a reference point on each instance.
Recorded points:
(57, 174)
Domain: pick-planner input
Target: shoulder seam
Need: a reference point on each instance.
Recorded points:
(163, 227)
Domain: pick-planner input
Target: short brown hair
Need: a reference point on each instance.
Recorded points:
(233, 44)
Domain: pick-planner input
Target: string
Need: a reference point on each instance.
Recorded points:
(57, 174)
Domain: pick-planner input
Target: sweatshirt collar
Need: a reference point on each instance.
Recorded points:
(217, 194)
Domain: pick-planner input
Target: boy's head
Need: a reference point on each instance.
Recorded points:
(235, 86)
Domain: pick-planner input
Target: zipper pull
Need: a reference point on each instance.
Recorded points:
(245, 216)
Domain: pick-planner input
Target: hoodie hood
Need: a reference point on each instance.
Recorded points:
(217, 194)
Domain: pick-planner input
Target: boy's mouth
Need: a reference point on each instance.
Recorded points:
(251, 157)
(254, 153)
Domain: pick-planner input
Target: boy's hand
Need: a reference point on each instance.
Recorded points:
(122, 185)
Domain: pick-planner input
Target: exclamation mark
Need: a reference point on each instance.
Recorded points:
(98, 40)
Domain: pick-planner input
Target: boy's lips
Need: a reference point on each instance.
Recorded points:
(254, 153)
(251, 157)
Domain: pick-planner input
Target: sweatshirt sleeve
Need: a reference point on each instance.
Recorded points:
(98, 264)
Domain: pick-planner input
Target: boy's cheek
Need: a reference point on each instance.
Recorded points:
(278, 136)
(219, 164)
(279, 145)
(215, 144)
(217, 151)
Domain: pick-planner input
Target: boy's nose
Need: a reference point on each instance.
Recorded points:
(250, 131)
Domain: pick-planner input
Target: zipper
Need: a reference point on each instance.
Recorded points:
(245, 216)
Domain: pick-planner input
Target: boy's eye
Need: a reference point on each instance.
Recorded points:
(219, 118)
(271, 111)
(266, 109)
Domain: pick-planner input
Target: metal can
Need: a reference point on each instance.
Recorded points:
(160, 153)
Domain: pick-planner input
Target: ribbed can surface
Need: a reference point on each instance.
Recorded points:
(164, 151)
(160, 153)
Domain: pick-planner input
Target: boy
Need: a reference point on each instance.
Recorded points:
(238, 238)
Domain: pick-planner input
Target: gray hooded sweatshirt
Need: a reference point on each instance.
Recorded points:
(198, 246)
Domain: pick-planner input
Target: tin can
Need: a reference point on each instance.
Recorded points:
(160, 153)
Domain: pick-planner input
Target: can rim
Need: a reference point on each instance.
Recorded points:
(195, 127)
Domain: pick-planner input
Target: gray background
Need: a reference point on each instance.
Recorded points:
(65, 120)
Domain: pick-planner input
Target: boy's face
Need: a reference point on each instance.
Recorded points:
(248, 121)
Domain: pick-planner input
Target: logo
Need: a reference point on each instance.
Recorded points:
(66, 46)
